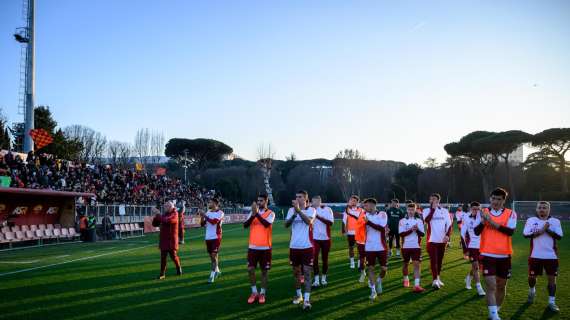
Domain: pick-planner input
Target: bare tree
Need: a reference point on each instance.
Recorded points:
(291, 157)
(157, 141)
(124, 154)
(99, 146)
(118, 153)
(113, 151)
(348, 170)
(94, 143)
(265, 155)
(141, 147)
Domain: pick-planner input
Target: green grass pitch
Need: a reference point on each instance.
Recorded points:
(115, 280)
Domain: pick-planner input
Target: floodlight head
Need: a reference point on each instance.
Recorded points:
(20, 38)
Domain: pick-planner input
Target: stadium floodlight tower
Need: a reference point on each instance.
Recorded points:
(26, 37)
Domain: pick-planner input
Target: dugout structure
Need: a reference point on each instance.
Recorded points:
(20, 206)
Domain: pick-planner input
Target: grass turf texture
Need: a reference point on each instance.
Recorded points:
(119, 283)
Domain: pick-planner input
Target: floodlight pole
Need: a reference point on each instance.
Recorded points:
(30, 78)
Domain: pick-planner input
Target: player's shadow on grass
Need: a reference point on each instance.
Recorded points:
(521, 310)
(322, 306)
(546, 314)
(437, 303)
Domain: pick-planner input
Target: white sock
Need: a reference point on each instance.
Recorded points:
(478, 285)
(551, 300)
(254, 289)
(468, 278)
(532, 290)
(317, 278)
(372, 288)
(351, 260)
(324, 277)
(492, 311)
(307, 296)
(379, 281)
(417, 281)
(299, 293)
(217, 269)
(212, 274)
(262, 291)
(437, 278)
(406, 277)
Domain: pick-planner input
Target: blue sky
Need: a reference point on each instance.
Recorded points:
(396, 80)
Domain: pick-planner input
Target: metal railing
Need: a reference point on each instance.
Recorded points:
(131, 213)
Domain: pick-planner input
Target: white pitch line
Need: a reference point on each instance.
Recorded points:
(69, 261)
(90, 257)
(20, 262)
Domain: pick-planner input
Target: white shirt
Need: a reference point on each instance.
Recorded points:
(411, 241)
(300, 231)
(355, 212)
(214, 231)
(511, 223)
(376, 240)
(468, 229)
(439, 224)
(543, 246)
(270, 218)
(320, 230)
(459, 216)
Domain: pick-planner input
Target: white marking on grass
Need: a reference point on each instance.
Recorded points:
(69, 261)
(20, 262)
(62, 256)
(95, 256)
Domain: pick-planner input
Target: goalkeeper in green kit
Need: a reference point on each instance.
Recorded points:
(394, 215)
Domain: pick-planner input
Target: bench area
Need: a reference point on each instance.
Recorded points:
(126, 230)
(41, 233)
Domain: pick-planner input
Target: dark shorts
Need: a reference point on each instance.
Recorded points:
(414, 254)
(323, 245)
(372, 256)
(213, 246)
(351, 240)
(474, 254)
(500, 267)
(299, 257)
(261, 257)
(535, 267)
(360, 249)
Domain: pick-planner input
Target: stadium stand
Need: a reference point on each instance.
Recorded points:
(109, 184)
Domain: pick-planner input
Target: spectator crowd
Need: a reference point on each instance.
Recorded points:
(111, 185)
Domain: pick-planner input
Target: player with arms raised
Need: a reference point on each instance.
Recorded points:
(411, 229)
(375, 247)
(543, 232)
(260, 224)
(438, 230)
(324, 219)
(212, 221)
(472, 241)
(300, 218)
(496, 228)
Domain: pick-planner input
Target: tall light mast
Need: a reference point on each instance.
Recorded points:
(26, 36)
